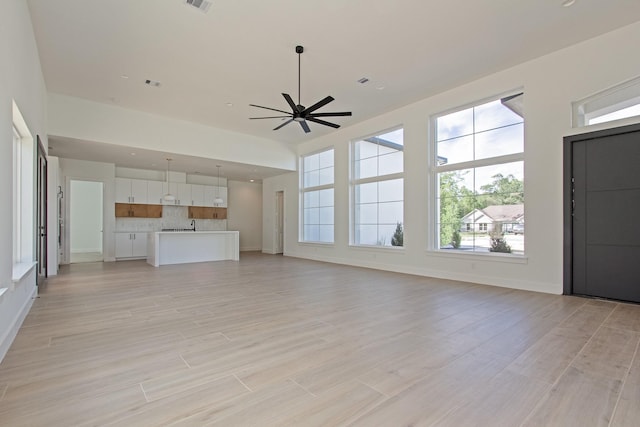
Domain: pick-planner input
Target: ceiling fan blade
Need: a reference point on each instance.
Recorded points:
(270, 117)
(305, 126)
(292, 104)
(322, 122)
(342, 113)
(267, 108)
(317, 105)
(283, 124)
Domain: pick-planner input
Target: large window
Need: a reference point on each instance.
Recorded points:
(479, 174)
(317, 197)
(23, 192)
(377, 183)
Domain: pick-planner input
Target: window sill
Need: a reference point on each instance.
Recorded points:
(489, 256)
(316, 243)
(377, 248)
(21, 269)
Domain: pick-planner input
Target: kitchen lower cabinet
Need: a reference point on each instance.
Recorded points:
(131, 245)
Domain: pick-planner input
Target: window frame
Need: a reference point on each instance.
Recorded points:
(605, 102)
(435, 168)
(354, 182)
(304, 190)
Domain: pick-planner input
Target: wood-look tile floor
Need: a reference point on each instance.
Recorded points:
(277, 341)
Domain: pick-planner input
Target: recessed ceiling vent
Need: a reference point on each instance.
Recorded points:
(201, 5)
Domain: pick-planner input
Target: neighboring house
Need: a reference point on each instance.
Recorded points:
(488, 219)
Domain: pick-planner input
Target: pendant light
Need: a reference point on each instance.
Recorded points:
(218, 200)
(168, 197)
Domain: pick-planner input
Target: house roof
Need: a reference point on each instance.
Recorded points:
(503, 213)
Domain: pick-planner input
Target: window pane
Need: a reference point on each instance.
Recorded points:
(311, 199)
(311, 179)
(493, 115)
(385, 233)
(455, 150)
(390, 213)
(504, 178)
(454, 125)
(367, 213)
(325, 233)
(312, 216)
(500, 142)
(390, 191)
(325, 176)
(311, 162)
(366, 234)
(364, 150)
(325, 159)
(366, 193)
(391, 163)
(326, 197)
(366, 168)
(325, 215)
(311, 233)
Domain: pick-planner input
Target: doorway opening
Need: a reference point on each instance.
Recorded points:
(85, 221)
(279, 246)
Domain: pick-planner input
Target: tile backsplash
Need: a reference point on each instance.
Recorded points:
(172, 217)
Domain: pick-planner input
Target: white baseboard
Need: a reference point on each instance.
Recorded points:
(12, 331)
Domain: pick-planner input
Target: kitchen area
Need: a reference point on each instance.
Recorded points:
(137, 216)
(172, 222)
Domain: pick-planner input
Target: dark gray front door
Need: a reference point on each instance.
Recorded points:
(605, 221)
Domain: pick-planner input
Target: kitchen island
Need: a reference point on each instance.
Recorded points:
(180, 247)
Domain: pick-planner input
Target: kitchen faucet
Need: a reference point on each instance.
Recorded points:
(193, 224)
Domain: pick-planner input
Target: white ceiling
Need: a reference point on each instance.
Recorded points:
(243, 52)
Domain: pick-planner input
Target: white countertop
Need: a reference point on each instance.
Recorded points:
(195, 232)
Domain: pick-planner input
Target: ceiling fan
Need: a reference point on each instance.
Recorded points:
(298, 112)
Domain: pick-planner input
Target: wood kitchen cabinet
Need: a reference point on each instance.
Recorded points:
(199, 212)
(125, 210)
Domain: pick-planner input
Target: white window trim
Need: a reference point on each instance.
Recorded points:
(378, 178)
(612, 99)
(432, 183)
(304, 190)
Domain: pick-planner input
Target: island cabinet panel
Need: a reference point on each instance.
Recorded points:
(201, 212)
(138, 211)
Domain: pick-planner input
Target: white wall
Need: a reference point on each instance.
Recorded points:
(245, 213)
(550, 84)
(85, 216)
(20, 80)
(81, 119)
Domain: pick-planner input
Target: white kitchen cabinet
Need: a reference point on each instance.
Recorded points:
(131, 245)
(197, 195)
(155, 192)
(131, 190)
(209, 195)
(182, 193)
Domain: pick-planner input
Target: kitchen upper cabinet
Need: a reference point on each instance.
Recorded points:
(202, 212)
(197, 195)
(155, 192)
(131, 245)
(138, 211)
(182, 193)
(131, 190)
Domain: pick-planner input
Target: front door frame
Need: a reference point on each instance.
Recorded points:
(41, 213)
(568, 200)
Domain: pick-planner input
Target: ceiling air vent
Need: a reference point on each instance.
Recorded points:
(201, 5)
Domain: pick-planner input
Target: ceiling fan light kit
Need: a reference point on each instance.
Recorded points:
(298, 112)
